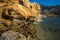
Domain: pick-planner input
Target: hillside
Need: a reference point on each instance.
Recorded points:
(51, 10)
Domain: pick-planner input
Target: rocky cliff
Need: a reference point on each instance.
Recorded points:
(16, 19)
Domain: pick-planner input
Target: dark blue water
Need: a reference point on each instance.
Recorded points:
(49, 28)
(51, 22)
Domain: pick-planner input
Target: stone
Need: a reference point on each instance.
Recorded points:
(11, 35)
(18, 17)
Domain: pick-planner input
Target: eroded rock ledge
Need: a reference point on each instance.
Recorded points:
(18, 16)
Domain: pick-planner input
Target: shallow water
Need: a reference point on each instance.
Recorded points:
(49, 28)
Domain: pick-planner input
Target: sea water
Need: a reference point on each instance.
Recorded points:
(48, 28)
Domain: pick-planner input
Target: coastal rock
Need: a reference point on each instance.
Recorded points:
(11, 35)
(18, 16)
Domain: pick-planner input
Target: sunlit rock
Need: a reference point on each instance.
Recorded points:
(11, 35)
(18, 16)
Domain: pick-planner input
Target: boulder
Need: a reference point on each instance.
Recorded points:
(11, 35)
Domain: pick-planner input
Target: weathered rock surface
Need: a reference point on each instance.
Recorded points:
(11, 35)
(18, 16)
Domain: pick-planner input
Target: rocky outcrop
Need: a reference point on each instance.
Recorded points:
(11, 35)
(18, 16)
